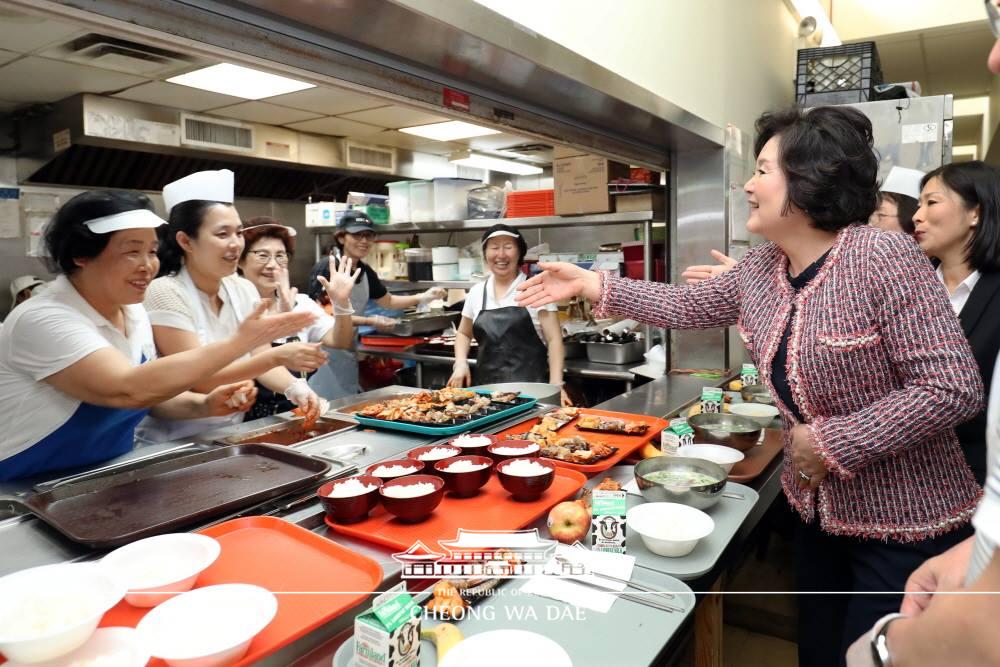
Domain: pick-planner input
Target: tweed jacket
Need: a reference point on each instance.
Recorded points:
(878, 365)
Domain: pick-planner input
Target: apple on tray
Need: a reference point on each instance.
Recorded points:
(569, 522)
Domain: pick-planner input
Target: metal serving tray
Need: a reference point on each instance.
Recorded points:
(418, 323)
(492, 413)
(289, 433)
(114, 510)
(615, 353)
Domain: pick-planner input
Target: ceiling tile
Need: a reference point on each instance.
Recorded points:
(394, 117)
(36, 79)
(337, 127)
(326, 101)
(179, 97)
(261, 112)
(24, 34)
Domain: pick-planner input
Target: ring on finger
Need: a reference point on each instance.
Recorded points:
(804, 476)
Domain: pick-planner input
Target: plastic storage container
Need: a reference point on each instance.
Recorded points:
(485, 202)
(421, 201)
(444, 254)
(444, 271)
(418, 264)
(399, 201)
(837, 74)
(442, 199)
(530, 203)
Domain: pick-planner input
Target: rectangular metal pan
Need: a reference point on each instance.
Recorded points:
(289, 433)
(114, 510)
(419, 323)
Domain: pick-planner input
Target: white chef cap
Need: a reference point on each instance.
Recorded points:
(903, 181)
(205, 185)
(140, 218)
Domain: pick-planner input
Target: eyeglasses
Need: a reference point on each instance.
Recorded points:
(881, 216)
(363, 236)
(263, 257)
(993, 14)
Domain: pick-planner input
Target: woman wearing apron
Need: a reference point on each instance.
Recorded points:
(354, 238)
(78, 367)
(512, 339)
(198, 299)
(268, 251)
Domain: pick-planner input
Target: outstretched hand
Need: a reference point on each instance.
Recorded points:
(699, 272)
(341, 281)
(556, 282)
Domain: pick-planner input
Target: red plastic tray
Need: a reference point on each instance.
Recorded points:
(392, 341)
(289, 561)
(492, 509)
(759, 457)
(626, 444)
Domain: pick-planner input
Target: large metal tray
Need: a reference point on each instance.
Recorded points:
(114, 510)
(289, 433)
(491, 414)
(615, 353)
(418, 323)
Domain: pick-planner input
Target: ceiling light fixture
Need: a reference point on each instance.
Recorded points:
(239, 81)
(470, 159)
(449, 130)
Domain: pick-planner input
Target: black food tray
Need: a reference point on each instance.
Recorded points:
(110, 511)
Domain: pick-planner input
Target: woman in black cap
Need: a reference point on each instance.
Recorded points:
(512, 339)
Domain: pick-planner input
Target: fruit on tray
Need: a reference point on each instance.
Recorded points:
(650, 450)
(445, 636)
(736, 385)
(569, 521)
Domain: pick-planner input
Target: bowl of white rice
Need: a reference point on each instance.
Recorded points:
(158, 568)
(464, 476)
(349, 500)
(510, 449)
(472, 442)
(394, 468)
(526, 478)
(431, 454)
(412, 498)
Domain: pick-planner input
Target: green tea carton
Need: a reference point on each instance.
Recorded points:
(389, 634)
(608, 521)
(711, 400)
(749, 375)
(676, 434)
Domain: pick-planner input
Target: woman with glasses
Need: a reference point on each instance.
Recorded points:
(269, 246)
(354, 238)
(897, 201)
(198, 299)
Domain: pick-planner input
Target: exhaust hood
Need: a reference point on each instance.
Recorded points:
(94, 141)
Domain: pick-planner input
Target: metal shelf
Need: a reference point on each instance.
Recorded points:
(630, 218)
(424, 284)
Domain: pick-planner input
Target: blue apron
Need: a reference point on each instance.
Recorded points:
(93, 434)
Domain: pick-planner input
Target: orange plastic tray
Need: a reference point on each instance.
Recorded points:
(391, 341)
(288, 560)
(492, 509)
(626, 444)
(759, 457)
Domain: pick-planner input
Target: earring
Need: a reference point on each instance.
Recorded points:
(975, 221)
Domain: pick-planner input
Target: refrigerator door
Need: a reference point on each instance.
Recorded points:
(914, 133)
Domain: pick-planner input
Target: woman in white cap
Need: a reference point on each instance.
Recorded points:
(897, 201)
(267, 253)
(516, 343)
(198, 299)
(23, 288)
(78, 366)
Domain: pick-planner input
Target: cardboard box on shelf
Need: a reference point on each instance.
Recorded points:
(651, 200)
(566, 151)
(581, 183)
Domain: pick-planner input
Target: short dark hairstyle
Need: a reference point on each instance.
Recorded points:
(827, 157)
(522, 245)
(906, 208)
(67, 238)
(186, 217)
(978, 184)
(253, 232)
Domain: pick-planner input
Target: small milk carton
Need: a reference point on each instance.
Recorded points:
(749, 375)
(608, 522)
(711, 400)
(389, 634)
(676, 434)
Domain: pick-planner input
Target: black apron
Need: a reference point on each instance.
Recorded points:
(509, 347)
(269, 402)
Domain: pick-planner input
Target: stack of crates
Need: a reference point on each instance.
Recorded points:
(837, 74)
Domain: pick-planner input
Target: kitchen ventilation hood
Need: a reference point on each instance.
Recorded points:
(94, 141)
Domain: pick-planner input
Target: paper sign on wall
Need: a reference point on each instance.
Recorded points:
(919, 133)
(10, 213)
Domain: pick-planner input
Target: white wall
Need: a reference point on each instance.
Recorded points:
(863, 19)
(723, 60)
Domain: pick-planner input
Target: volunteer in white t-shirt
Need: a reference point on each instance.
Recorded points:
(269, 247)
(199, 299)
(78, 367)
(511, 339)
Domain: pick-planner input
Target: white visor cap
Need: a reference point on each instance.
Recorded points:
(903, 181)
(500, 232)
(140, 218)
(201, 185)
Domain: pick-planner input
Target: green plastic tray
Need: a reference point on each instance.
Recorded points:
(448, 430)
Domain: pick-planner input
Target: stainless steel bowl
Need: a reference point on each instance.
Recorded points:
(757, 393)
(699, 497)
(715, 428)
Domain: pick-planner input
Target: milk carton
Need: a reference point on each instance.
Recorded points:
(749, 375)
(389, 634)
(676, 434)
(608, 522)
(711, 400)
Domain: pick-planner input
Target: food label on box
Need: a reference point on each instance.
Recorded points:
(676, 434)
(608, 523)
(711, 400)
(749, 375)
(389, 634)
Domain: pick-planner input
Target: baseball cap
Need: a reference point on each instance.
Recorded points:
(353, 222)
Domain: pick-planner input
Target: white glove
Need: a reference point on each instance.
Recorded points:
(299, 393)
(383, 323)
(431, 294)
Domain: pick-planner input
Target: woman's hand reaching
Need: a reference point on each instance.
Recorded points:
(556, 282)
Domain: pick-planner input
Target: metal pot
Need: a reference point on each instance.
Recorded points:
(711, 428)
(699, 497)
(545, 393)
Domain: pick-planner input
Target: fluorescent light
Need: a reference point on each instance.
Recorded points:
(449, 130)
(238, 81)
(470, 159)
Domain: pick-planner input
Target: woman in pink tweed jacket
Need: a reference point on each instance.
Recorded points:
(873, 369)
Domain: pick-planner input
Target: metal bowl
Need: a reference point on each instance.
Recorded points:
(711, 428)
(757, 393)
(699, 497)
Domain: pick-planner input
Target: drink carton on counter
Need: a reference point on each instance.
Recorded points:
(711, 400)
(676, 434)
(608, 523)
(749, 375)
(389, 634)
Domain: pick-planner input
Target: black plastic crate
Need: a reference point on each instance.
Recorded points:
(837, 74)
